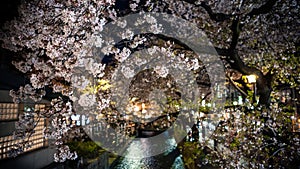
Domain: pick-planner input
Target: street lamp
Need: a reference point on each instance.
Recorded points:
(295, 123)
(252, 80)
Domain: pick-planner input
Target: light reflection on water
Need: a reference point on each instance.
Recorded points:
(133, 156)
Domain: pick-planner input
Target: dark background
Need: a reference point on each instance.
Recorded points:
(10, 77)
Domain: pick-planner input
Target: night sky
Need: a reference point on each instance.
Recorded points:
(8, 10)
(10, 77)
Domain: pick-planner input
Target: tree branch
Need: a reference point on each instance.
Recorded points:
(263, 9)
(235, 28)
(218, 17)
(233, 83)
(263, 81)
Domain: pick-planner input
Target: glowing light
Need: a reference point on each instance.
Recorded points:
(251, 78)
(136, 108)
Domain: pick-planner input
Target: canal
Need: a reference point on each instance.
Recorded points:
(138, 155)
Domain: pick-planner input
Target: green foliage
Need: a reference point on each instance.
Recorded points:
(86, 149)
(191, 152)
(235, 144)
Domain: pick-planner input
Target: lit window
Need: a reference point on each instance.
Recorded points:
(8, 111)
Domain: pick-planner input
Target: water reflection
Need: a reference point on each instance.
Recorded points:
(133, 155)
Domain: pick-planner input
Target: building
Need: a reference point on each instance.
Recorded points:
(39, 154)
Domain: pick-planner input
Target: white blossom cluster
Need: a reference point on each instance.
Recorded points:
(123, 55)
(92, 66)
(87, 100)
(63, 154)
(27, 92)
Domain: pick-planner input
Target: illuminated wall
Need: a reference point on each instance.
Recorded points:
(9, 113)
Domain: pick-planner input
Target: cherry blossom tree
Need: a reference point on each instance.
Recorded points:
(50, 38)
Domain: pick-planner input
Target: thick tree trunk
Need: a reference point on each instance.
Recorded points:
(264, 89)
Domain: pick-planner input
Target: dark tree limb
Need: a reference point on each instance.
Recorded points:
(218, 17)
(263, 82)
(263, 9)
(232, 57)
(235, 28)
(234, 85)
